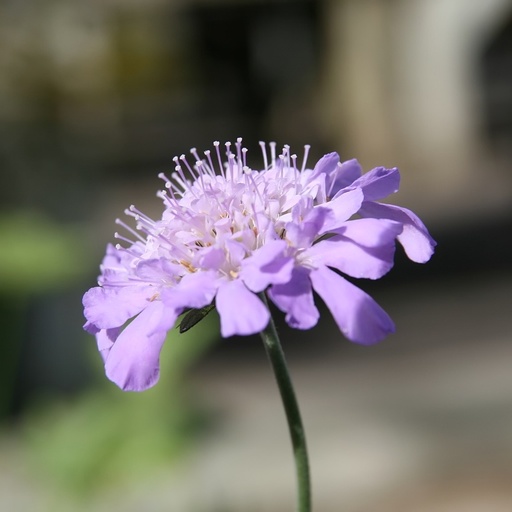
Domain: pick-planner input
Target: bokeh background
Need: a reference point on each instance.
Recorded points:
(97, 97)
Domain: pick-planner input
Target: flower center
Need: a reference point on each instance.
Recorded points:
(224, 212)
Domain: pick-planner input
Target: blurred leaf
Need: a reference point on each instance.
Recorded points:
(107, 436)
(36, 254)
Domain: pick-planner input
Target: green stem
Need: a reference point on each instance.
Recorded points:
(276, 356)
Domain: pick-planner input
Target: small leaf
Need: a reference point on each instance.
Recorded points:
(193, 317)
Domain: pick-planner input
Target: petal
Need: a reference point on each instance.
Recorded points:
(415, 238)
(379, 183)
(240, 311)
(326, 165)
(305, 228)
(236, 252)
(320, 178)
(154, 270)
(112, 256)
(91, 328)
(134, 359)
(358, 316)
(371, 233)
(112, 307)
(105, 339)
(267, 265)
(364, 249)
(211, 258)
(193, 291)
(117, 265)
(348, 172)
(295, 298)
(343, 207)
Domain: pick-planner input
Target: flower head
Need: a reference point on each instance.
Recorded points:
(229, 233)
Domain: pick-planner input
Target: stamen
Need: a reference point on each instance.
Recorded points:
(173, 196)
(188, 266)
(128, 250)
(119, 222)
(138, 215)
(286, 154)
(163, 177)
(238, 146)
(306, 153)
(338, 169)
(123, 238)
(296, 173)
(219, 158)
(183, 158)
(199, 166)
(210, 166)
(193, 151)
(264, 153)
(294, 161)
(230, 159)
(130, 279)
(281, 165)
(249, 176)
(179, 178)
(180, 172)
(173, 187)
(272, 152)
(162, 194)
(244, 157)
(214, 195)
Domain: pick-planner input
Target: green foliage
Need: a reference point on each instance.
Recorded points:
(108, 437)
(37, 255)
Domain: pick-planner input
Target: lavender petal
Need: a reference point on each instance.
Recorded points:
(357, 315)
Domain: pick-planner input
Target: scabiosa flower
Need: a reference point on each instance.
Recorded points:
(229, 233)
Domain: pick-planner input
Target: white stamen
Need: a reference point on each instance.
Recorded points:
(238, 145)
(272, 152)
(119, 222)
(286, 154)
(264, 153)
(244, 157)
(183, 158)
(219, 158)
(338, 169)
(210, 166)
(306, 153)
(294, 162)
(124, 239)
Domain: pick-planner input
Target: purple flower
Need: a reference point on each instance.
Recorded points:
(377, 184)
(226, 236)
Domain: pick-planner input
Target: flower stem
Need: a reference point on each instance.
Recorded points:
(276, 356)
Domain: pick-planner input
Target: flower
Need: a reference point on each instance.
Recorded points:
(226, 236)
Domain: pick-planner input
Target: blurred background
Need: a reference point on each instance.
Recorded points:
(97, 97)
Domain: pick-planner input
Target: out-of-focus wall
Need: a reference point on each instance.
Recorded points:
(403, 85)
(125, 85)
